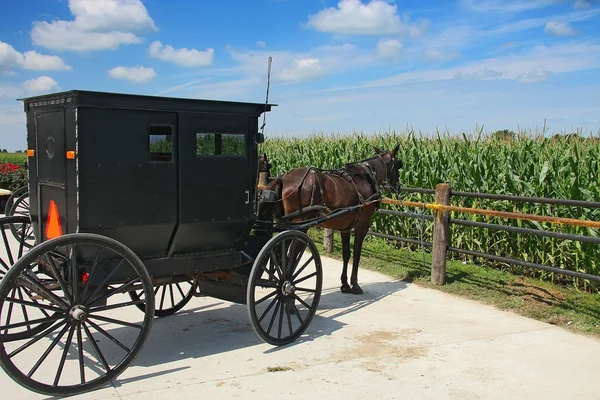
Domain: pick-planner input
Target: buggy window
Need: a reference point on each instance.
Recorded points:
(161, 143)
(220, 144)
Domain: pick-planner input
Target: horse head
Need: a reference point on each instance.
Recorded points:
(386, 167)
(263, 164)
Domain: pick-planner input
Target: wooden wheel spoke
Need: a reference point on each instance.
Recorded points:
(37, 284)
(270, 274)
(31, 322)
(80, 355)
(179, 289)
(268, 308)
(115, 290)
(303, 267)
(92, 273)
(64, 356)
(289, 319)
(280, 320)
(115, 321)
(274, 315)
(109, 336)
(48, 350)
(32, 304)
(301, 289)
(104, 282)
(119, 305)
(7, 247)
(59, 278)
(301, 301)
(36, 338)
(162, 297)
(99, 354)
(172, 299)
(274, 292)
(305, 278)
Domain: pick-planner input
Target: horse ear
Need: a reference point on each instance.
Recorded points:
(377, 150)
(396, 149)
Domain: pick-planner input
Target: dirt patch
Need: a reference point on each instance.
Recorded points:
(536, 294)
(378, 346)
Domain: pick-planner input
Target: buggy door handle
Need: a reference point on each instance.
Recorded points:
(247, 197)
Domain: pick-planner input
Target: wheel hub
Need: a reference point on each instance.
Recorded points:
(78, 313)
(288, 288)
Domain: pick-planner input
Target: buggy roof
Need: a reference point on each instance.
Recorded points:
(147, 102)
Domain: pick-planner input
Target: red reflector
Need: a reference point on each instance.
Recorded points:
(53, 228)
(85, 277)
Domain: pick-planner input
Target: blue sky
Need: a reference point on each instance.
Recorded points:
(338, 65)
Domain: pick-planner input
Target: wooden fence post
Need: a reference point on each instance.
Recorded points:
(328, 240)
(440, 236)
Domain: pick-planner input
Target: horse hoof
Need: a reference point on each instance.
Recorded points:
(357, 290)
(346, 289)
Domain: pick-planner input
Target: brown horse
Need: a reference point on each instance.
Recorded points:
(306, 193)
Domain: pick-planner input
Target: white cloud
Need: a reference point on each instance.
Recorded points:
(40, 85)
(533, 65)
(580, 4)
(98, 25)
(480, 74)
(537, 74)
(506, 6)
(136, 74)
(439, 55)
(559, 29)
(30, 60)
(302, 69)
(353, 17)
(182, 57)
(388, 48)
(261, 44)
(295, 66)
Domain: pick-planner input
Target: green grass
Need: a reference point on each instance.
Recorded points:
(559, 305)
(15, 158)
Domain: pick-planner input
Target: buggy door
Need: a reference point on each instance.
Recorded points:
(214, 188)
(51, 170)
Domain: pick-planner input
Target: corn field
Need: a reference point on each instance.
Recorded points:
(561, 166)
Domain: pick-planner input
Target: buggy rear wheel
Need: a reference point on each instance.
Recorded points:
(13, 249)
(11, 200)
(15, 245)
(284, 287)
(171, 293)
(76, 282)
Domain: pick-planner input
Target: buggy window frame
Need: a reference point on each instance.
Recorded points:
(171, 134)
(218, 144)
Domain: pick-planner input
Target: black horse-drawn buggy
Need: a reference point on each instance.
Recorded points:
(138, 204)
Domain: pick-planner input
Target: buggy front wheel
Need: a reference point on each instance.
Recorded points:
(284, 287)
(77, 285)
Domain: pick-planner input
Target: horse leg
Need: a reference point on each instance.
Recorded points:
(359, 237)
(346, 257)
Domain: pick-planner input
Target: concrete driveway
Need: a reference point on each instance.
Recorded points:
(396, 341)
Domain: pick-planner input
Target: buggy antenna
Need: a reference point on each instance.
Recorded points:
(262, 128)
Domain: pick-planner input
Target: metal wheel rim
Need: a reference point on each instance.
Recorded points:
(275, 323)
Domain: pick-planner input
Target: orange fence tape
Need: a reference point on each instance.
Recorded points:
(493, 213)
(490, 213)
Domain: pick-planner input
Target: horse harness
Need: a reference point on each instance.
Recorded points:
(368, 172)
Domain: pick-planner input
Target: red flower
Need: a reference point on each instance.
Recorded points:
(8, 168)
